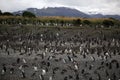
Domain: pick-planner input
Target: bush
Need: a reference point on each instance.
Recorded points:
(86, 22)
(108, 23)
(7, 14)
(28, 14)
(77, 22)
(0, 12)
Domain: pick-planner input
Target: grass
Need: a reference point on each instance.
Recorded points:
(56, 18)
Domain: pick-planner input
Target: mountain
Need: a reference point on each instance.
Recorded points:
(113, 16)
(105, 16)
(55, 11)
(64, 11)
(96, 16)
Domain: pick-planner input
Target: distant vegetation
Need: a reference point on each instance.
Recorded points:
(29, 18)
(6, 14)
(0, 12)
(108, 23)
(28, 14)
(86, 22)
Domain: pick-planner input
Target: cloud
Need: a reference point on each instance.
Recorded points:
(98, 6)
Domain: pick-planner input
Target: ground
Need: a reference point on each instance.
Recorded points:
(88, 47)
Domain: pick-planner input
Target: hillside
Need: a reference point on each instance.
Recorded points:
(64, 11)
(57, 11)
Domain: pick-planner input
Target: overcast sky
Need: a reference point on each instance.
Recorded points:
(88, 6)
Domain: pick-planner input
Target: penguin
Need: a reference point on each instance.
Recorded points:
(23, 74)
(41, 77)
(24, 61)
(50, 78)
(3, 69)
(43, 71)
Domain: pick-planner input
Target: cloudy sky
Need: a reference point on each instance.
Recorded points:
(88, 6)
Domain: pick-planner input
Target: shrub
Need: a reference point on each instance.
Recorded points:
(108, 23)
(7, 14)
(77, 22)
(86, 22)
(28, 14)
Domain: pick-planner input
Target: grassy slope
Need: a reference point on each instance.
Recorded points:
(46, 18)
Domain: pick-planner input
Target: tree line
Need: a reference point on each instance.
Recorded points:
(24, 14)
(28, 18)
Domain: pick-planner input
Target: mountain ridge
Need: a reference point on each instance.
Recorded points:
(64, 11)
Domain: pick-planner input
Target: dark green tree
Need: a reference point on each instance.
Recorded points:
(76, 22)
(108, 23)
(7, 14)
(28, 14)
(86, 22)
(0, 12)
(62, 22)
